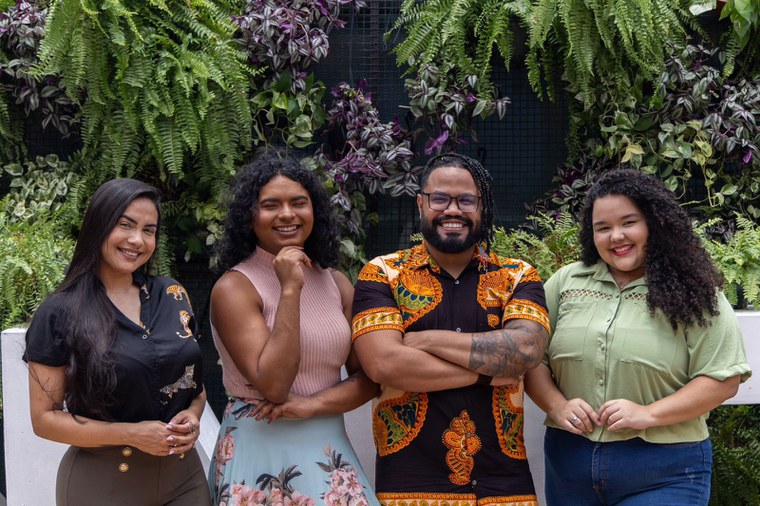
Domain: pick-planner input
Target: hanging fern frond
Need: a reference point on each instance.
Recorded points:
(451, 47)
(33, 258)
(605, 40)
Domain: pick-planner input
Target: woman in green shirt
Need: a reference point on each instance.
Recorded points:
(644, 345)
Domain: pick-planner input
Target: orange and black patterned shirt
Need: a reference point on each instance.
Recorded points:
(462, 446)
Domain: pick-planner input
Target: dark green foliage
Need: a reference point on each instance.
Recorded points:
(604, 40)
(33, 257)
(161, 77)
(450, 47)
(744, 16)
(547, 243)
(735, 434)
(11, 148)
(288, 118)
(285, 37)
(441, 32)
(738, 259)
(163, 89)
(695, 125)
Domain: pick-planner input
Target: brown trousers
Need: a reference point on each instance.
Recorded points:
(126, 476)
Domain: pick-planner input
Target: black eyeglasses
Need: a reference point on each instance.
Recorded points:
(441, 201)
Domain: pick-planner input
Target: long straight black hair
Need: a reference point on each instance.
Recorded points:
(90, 319)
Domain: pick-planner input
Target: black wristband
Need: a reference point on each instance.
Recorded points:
(483, 379)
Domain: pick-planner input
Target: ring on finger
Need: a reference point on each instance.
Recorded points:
(574, 420)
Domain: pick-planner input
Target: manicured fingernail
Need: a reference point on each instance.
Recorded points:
(171, 452)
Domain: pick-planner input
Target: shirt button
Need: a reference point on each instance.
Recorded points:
(456, 281)
(144, 336)
(155, 364)
(126, 451)
(474, 482)
(459, 329)
(123, 467)
(601, 382)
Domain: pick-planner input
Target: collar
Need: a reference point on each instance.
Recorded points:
(420, 257)
(601, 272)
(140, 279)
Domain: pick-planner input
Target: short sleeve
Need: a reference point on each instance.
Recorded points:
(528, 301)
(45, 338)
(551, 291)
(374, 307)
(717, 350)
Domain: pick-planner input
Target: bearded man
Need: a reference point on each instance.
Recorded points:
(448, 329)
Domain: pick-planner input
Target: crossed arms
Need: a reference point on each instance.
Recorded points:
(432, 360)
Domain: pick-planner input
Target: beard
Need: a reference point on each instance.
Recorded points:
(450, 244)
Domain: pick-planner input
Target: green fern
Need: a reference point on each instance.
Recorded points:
(604, 40)
(460, 36)
(735, 436)
(33, 257)
(11, 145)
(552, 243)
(162, 85)
(738, 259)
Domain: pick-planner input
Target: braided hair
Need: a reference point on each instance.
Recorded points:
(483, 181)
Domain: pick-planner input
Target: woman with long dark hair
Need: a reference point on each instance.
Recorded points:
(279, 317)
(114, 368)
(644, 345)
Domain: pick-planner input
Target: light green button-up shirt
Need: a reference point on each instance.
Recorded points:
(606, 345)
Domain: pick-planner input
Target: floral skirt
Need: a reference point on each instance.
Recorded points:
(286, 462)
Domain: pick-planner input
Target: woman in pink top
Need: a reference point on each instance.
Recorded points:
(279, 318)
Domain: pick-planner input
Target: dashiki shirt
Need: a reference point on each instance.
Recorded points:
(462, 446)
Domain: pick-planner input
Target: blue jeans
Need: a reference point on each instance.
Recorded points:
(627, 473)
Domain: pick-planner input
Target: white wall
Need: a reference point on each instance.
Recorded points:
(31, 463)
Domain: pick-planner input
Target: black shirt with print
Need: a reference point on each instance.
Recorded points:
(158, 363)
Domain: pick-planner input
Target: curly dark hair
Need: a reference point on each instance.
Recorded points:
(483, 182)
(239, 241)
(682, 280)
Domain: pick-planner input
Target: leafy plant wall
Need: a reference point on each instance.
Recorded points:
(180, 92)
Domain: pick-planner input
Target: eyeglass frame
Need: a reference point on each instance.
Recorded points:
(477, 198)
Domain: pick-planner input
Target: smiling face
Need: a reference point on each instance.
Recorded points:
(620, 236)
(284, 215)
(132, 240)
(450, 230)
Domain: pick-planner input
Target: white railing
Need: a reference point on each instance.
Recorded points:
(31, 463)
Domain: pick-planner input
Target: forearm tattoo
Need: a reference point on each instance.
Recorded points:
(509, 352)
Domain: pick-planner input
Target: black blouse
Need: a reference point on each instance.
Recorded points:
(158, 365)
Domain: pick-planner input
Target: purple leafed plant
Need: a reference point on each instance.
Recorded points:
(21, 29)
(370, 156)
(289, 35)
(448, 109)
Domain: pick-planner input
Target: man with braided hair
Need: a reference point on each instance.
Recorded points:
(449, 329)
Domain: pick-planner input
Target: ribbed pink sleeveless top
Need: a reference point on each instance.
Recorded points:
(325, 332)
